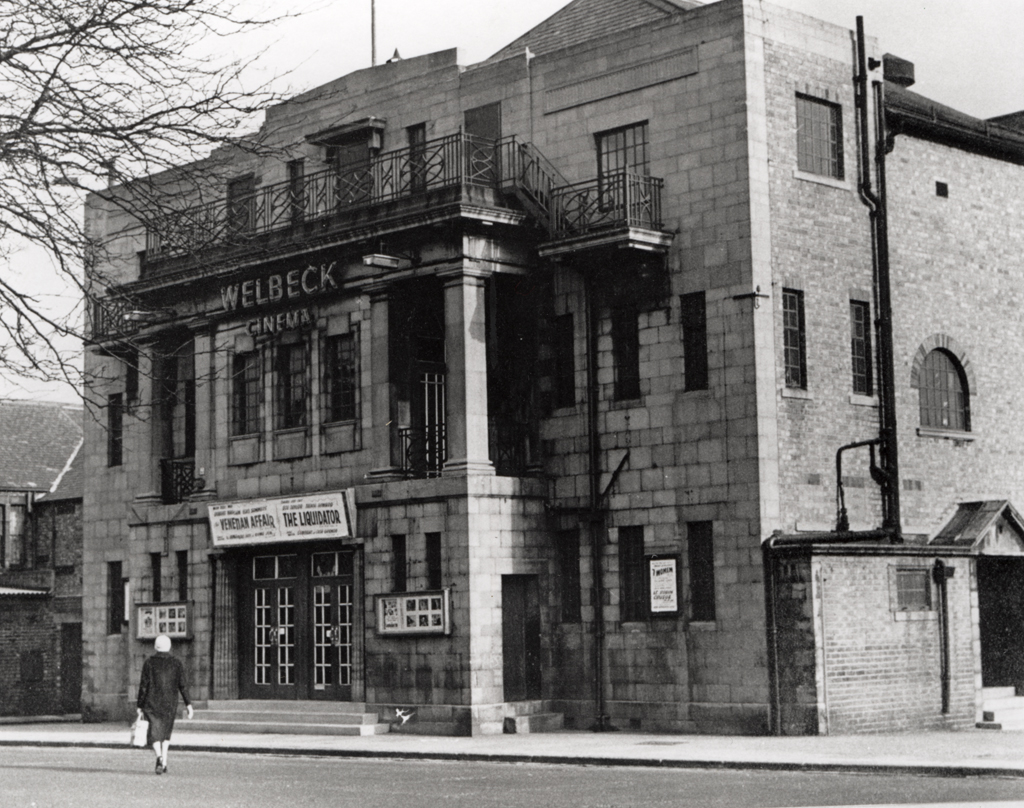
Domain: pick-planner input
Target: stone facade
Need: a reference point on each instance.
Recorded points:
(544, 337)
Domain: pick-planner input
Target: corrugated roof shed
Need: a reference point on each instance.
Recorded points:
(36, 442)
(583, 20)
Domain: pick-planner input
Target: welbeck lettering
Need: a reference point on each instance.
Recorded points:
(293, 285)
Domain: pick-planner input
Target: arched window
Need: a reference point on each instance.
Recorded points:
(944, 394)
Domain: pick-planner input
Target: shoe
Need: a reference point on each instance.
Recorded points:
(160, 768)
(165, 767)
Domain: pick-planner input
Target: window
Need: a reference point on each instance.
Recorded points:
(246, 393)
(340, 377)
(292, 381)
(297, 190)
(115, 429)
(483, 125)
(131, 376)
(399, 564)
(564, 364)
(626, 353)
(700, 552)
(623, 149)
(174, 393)
(181, 557)
(794, 338)
(433, 558)
(241, 205)
(417, 137)
(569, 574)
(632, 574)
(695, 341)
(16, 536)
(860, 347)
(913, 590)
(819, 137)
(943, 392)
(117, 597)
(156, 568)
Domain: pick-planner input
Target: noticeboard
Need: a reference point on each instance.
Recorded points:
(173, 618)
(414, 613)
(663, 584)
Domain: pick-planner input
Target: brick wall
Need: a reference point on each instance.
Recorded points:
(30, 640)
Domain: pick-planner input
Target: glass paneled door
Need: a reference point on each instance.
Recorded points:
(296, 637)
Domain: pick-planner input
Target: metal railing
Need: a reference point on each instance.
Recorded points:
(624, 199)
(438, 164)
(178, 480)
(424, 450)
(510, 165)
(509, 446)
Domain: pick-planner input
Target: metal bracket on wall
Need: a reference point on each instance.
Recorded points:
(757, 296)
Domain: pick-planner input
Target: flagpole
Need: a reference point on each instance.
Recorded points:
(373, 33)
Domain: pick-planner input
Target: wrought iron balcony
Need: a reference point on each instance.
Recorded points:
(448, 162)
(178, 479)
(509, 446)
(424, 450)
(324, 201)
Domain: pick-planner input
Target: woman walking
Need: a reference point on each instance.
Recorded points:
(163, 678)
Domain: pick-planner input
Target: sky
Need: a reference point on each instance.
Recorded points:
(969, 54)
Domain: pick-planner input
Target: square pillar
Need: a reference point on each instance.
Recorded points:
(466, 380)
(385, 465)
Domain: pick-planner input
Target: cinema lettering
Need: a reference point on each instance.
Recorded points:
(328, 515)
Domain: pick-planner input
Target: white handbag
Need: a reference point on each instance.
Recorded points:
(140, 729)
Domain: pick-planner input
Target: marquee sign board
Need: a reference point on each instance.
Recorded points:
(327, 515)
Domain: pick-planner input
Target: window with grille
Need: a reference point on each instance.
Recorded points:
(913, 590)
(794, 338)
(569, 574)
(695, 341)
(623, 149)
(944, 394)
(626, 353)
(819, 137)
(563, 345)
(700, 551)
(632, 574)
(246, 393)
(340, 377)
(292, 382)
(115, 429)
(860, 347)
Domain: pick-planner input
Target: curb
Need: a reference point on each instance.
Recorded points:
(923, 769)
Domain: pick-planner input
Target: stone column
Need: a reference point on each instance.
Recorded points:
(466, 380)
(383, 425)
(204, 355)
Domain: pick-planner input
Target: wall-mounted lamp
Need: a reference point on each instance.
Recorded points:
(382, 261)
(149, 317)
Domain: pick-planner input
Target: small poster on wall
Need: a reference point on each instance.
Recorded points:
(172, 619)
(663, 577)
(413, 613)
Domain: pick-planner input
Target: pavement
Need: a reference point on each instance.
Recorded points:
(955, 754)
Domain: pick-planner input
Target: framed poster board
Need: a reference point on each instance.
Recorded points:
(663, 585)
(414, 613)
(173, 618)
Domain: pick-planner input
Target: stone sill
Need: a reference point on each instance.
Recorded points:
(821, 179)
(863, 401)
(946, 434)
(909, 616)
(796, 392)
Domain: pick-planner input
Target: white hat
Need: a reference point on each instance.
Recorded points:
(163, 643)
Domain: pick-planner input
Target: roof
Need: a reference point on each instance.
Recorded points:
(907, 112)
(583, 20)
(70, 482)
(970, 526)
(36, 442)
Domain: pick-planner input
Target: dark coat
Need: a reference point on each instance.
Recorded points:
(163, 678)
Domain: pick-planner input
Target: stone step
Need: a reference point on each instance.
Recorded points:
(286, 705)
(283, 728)
(534, 722)
(998, 693)
(1007, 703)
(296, 716)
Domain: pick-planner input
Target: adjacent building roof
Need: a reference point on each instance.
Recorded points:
(583, 20)
(983, 525)
(37, 441)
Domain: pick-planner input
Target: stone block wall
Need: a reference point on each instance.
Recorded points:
(29, 676)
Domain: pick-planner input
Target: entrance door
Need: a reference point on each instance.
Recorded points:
(1001, 619)
(71, 668)
(520, 632)
(296, 632)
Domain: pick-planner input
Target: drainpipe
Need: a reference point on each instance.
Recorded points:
(877, 206)
(595, 518)
(941, 573)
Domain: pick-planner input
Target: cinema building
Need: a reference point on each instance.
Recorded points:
(509, 397)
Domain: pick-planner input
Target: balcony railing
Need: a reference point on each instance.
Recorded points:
(563, 209)
(509, 446)
(424, 450)
(178, 480)
(624, 199)
(438, 164)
